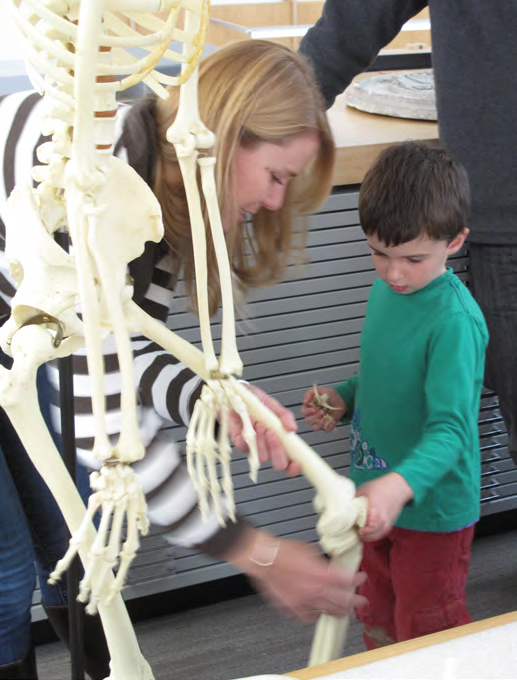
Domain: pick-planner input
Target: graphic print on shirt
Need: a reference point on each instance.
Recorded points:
(362, 457)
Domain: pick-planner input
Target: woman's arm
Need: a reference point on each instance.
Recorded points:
(294, 576)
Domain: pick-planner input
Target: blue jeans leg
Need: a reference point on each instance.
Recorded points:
(17, 574)
(33, 537)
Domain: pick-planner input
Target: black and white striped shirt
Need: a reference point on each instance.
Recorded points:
(166, 388)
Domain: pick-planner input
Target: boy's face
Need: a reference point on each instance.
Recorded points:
(410, 266)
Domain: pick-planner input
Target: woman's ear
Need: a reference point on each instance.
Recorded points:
(457, 242)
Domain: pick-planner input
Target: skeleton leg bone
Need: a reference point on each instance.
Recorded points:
(18, 396)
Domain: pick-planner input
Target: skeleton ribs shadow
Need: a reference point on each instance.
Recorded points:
(78, 58)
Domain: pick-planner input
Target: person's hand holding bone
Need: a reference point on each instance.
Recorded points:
(322, 408)
(295, 577)
(268, 444)
(386, 498)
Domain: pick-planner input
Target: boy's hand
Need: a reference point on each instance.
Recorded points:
(318, 418)
(386, 498)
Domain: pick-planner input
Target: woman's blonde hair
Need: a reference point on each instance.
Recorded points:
(249, 92)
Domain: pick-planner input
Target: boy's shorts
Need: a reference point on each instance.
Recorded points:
(415, 585)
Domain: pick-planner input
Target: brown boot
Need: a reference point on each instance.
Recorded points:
(23, 669)
(96, 652)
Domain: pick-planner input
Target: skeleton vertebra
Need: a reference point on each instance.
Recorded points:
(110, 213)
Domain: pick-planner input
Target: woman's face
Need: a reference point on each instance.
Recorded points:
(263, 172)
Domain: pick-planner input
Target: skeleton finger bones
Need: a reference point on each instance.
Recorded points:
(118, 493)
(205, 449)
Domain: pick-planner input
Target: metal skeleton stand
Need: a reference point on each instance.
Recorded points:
(66, 403)
(75, 611)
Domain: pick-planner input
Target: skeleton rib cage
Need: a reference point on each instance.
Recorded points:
(79, 59)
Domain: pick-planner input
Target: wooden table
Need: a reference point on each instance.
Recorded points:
(400, 648)
(361, 136)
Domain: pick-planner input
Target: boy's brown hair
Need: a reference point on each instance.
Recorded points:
(414, 189)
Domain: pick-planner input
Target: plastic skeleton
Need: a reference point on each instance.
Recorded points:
(109, 212)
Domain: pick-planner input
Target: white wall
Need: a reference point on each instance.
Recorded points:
(9, 42)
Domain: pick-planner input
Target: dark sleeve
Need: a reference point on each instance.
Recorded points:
(349, 35)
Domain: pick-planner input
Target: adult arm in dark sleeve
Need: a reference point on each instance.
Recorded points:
(349, 35)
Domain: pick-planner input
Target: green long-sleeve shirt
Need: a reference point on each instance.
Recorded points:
(414, 405)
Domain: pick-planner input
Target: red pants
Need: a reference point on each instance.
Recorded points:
(415, 585)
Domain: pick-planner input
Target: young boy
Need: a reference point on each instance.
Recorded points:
(414, 404)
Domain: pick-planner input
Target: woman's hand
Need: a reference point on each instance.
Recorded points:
(297, 579)
(319, 418)
(268, 445)
(386, 498)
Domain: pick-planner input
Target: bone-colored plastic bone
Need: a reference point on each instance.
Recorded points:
(44, 273)
(331, 631)
(188, 133)
(129, 216)
(19, 398)
(335, 493)
(51, 57)
(340, 513)
(229, 359)
(83, 178)
(187, 163)
(119, 493)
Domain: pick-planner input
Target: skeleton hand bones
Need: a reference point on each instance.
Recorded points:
(333, 491)
(269, 446)
(204, 450)
(118, 492)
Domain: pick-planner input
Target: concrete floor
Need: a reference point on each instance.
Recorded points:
(243, 636)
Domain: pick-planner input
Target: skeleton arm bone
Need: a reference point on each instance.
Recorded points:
(188, 133)
(330, 634)
(229, 361)
(129, 216)
(330, 486)
(341, 513)
(187, 164)
(78, 222)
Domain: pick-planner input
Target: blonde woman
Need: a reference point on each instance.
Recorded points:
(275, 159)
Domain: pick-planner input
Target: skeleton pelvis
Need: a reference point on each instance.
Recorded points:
(127, 214)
